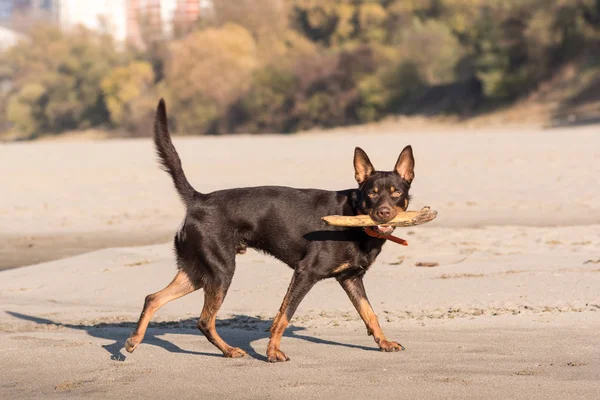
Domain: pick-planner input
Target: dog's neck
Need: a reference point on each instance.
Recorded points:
(355, 200)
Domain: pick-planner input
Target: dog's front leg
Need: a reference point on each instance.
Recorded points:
(355, 289)
(299, 286)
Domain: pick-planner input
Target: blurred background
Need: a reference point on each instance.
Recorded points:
(258, 66)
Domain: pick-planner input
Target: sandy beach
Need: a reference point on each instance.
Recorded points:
(512, 309)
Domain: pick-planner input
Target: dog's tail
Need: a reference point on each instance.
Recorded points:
(168, 156)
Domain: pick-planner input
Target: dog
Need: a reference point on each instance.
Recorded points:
(286, 224)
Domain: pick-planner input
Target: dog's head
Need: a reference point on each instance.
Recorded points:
(383, 194)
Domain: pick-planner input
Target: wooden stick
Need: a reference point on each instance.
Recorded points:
(408, 218)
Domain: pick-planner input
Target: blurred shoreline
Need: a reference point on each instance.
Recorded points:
(67, 197)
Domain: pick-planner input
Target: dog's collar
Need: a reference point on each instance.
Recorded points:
(373, 233)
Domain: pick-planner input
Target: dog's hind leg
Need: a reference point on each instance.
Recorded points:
(214, 295)
(179, 287)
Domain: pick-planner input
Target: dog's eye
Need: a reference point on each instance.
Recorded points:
(373, 195)
(396, 194)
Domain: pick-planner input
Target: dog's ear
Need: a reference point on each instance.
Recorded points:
(362, 166)
(405, 166)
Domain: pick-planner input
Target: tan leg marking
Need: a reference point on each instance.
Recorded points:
(179, 287)
(274, 354)
(299, 287)
(213, 299)
(356, 292)
(341, 268)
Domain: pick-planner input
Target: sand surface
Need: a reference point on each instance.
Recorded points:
(511, 311)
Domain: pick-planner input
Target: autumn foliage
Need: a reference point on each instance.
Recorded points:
(283, 66)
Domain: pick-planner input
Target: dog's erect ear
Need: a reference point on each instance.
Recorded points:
(362, 165)
(405, 166)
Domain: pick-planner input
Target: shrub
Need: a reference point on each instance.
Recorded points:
(126, 91)
(267, 105)
(24, 109)
(328, 88)
(371, 22)
(206, 73)
(56, 80)
(432, 48)
(327, 22)
(390, 89)
(259, 17)
(264, 65)
(320, 90)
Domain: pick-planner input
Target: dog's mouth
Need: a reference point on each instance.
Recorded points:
(384, 229)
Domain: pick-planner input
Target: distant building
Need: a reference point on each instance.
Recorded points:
(154, 18)
(8, 38)
(19, 15)
(186, 13)
(127, 20)
(108, 16)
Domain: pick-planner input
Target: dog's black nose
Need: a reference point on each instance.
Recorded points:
(384, 213)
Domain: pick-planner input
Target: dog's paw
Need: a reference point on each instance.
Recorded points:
(277, 356)
(388, 346)
(131, 344)
(235, 352)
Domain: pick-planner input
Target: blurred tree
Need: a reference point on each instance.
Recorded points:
(519, 43)
(432, 48)
(327, 22)
(268, 105)
(127, 94)
(266, 65)
(25, 110)
(56, 80)
(371, 21)
(591, 12)
(207, 71)
(262, 18)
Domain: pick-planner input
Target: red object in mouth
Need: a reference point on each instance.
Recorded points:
(376, 234)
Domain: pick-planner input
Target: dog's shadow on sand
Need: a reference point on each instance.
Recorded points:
(239, 331)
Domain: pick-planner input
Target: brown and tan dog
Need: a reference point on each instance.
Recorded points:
(285, 223)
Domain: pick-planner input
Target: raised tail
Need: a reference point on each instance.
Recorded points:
(168, 156)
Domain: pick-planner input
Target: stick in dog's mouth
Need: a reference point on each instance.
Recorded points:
(404, 219)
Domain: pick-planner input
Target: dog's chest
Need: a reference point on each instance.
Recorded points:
(365, 257)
